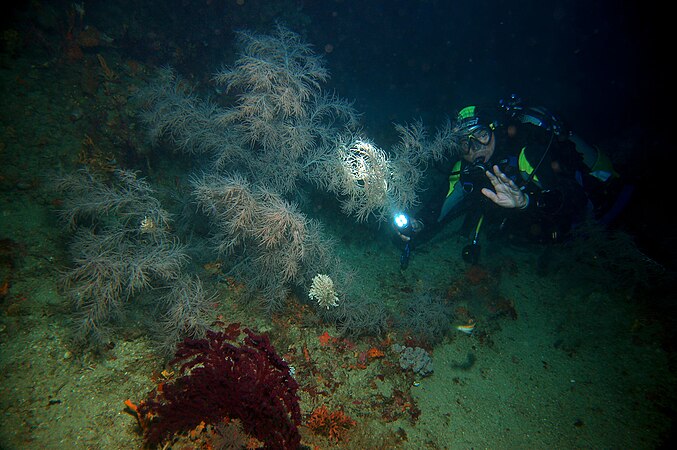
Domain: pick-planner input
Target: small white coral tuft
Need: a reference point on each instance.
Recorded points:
(322, 290)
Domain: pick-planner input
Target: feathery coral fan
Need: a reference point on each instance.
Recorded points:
(276, 245)
(218, 379)
(284, 132)
(282, 116)
(122, 245)
(364, 180)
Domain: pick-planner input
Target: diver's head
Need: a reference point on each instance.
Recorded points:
(473, 135)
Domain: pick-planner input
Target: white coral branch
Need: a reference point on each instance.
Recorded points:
(323, 291)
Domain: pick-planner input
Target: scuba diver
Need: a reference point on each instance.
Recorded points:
(525, 174)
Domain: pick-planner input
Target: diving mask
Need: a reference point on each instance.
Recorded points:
(477, 137)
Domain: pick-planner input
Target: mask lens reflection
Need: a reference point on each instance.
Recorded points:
(481, 135)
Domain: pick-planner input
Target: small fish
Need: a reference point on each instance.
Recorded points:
(467, 329)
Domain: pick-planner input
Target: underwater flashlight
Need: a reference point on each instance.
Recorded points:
(401, 221)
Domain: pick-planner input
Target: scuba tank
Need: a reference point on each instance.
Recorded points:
(598, 177)
(597, 163)
(534, 115)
